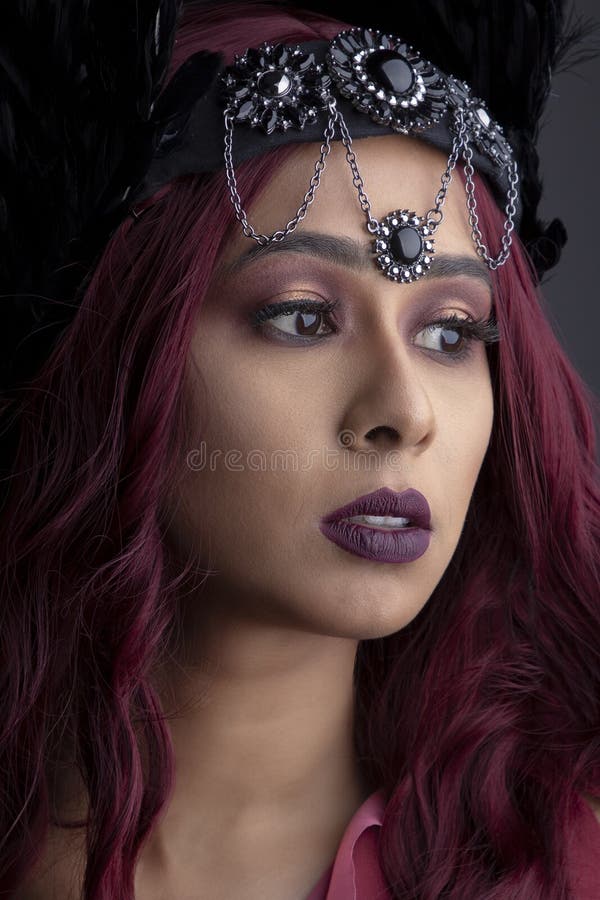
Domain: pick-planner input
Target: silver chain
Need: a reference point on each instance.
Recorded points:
(249, 231)
(457, 145)
(373, 224)
(510, 211)
(433, 217)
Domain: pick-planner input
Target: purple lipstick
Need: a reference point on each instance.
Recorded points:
(383, 526)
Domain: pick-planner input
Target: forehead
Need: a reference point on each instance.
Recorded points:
(398, 171)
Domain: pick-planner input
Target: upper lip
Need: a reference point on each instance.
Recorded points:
(409, 504)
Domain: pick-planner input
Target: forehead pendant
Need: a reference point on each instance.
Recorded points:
(281, 88)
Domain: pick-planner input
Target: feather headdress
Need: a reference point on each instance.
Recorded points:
(84, 109)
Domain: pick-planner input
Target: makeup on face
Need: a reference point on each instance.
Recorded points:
(382, 526)
(318, 287)
(320, 261)
(298, 347)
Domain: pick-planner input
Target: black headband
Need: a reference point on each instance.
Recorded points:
(199, 148)
(92, 127)
(363, 82)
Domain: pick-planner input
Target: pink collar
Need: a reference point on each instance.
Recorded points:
(355, 871)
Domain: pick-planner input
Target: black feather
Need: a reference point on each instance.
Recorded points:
(82, 110)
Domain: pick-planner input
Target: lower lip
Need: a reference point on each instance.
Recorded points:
(400, 545)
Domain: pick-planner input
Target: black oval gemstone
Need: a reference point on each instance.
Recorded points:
(268, 120)
(406, 245)
(391, 71)
(274, 83)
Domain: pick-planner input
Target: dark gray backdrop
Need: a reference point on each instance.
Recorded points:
(569, 150)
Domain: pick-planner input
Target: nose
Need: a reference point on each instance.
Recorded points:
(388, 406)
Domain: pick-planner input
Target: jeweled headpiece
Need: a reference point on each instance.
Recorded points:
(89, 131)
(290, 89)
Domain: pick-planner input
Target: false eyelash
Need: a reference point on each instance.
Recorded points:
(291, 306)
(485, 330)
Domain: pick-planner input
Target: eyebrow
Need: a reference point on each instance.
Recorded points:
(344, 251)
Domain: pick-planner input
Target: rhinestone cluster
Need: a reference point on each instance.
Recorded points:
(487, 135)
(404, 246)
(386, 78)
(276, 87)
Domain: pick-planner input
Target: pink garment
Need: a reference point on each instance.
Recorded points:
(355, 873)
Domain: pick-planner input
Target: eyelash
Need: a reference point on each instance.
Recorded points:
(471, 330)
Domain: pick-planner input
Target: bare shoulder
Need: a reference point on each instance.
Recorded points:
(593, 803)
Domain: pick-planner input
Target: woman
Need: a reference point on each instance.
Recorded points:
(231, 688)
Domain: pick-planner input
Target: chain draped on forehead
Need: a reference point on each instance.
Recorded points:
(277, 88)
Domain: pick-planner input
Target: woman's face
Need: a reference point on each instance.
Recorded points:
(300, 414)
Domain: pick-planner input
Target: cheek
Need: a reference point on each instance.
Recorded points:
(238, 421)
(466, 436)
(239, 400)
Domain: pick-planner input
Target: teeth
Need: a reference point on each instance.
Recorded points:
(381, 521)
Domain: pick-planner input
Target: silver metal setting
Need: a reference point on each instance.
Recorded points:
(275, 87)
(387, 78)
(482, 129)
(403, 229)
(399, 225)
(487, 134)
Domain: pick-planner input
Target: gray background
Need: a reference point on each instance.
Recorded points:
(569, 151)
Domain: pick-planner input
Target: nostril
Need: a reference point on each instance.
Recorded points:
(386, 429)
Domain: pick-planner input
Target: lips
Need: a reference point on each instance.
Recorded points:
(392, 545)
(410, 504)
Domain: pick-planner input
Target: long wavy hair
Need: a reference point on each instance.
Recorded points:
(480, 719)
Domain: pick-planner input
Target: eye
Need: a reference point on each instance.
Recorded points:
(296, 318)
(449, 336)
(455, 337)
